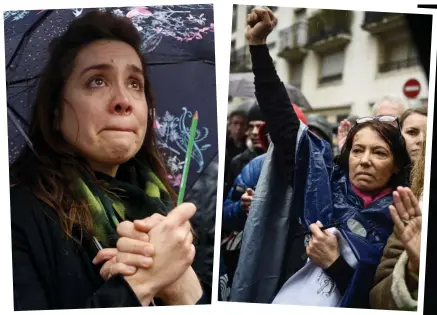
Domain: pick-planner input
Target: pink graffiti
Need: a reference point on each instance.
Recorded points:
(138, 11)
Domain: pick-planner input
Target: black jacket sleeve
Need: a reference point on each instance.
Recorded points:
(276, 107)
(341, 273)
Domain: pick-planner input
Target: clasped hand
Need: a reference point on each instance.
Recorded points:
(155, 255)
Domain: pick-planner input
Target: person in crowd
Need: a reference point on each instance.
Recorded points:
(238, 202)
(235, 210)
(255, 120)
(90, 197)
(318, 125)
(389, 105)
(236, 140)
(300, 190)
(343, 128)
(413, 125)
(396, 279)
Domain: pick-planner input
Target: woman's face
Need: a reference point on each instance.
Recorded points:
(104, 111)
(371, 162)
(413, 130)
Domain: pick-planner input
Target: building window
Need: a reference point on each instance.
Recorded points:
(397, 53)
(296, 71)
(331, 68)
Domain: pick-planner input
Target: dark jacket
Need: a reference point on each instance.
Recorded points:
(51, 271)
(238, 163)
(234, 217)
(231, 151)
(204, 195)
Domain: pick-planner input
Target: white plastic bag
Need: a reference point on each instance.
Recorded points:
(311, 286)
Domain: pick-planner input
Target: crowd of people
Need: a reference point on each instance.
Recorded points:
(286, 180)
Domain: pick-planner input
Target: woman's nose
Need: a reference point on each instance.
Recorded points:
(365, 158)
(120, 104)
(420, 138)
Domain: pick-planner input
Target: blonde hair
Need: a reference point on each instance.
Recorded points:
(417, 176)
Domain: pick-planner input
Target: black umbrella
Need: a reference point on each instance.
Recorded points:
(242, 85)
(179, 46)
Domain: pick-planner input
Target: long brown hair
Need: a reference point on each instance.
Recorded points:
(418, 173)
(53, 167)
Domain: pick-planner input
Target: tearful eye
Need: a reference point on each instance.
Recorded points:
(96, 82)
(136, 85)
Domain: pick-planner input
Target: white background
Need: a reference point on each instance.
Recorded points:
(223, 20)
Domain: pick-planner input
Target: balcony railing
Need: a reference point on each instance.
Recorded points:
(380, 22)
(323, 34)
(398, 65)
(292, 42)
(329, 30)
(375, 17)
(293, 36)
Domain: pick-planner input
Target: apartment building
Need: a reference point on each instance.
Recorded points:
(342, 61)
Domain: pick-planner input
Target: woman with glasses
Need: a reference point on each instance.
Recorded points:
(301, 190)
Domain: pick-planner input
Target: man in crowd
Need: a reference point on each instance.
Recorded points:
(237, 206)
(255, 120)
(235, 140)
(320, 126)
(389, 105)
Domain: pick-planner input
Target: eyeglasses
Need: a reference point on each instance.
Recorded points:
(394, 121)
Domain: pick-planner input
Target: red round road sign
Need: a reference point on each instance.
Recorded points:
(411, 88)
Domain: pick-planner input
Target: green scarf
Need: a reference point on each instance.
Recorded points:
(135, 193)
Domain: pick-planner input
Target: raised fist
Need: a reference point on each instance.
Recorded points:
(261, 22)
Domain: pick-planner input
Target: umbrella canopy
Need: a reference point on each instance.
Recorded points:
(245, 106)
(241, 85)
(178, 42)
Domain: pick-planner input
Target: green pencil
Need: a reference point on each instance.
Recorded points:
(193, 130)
